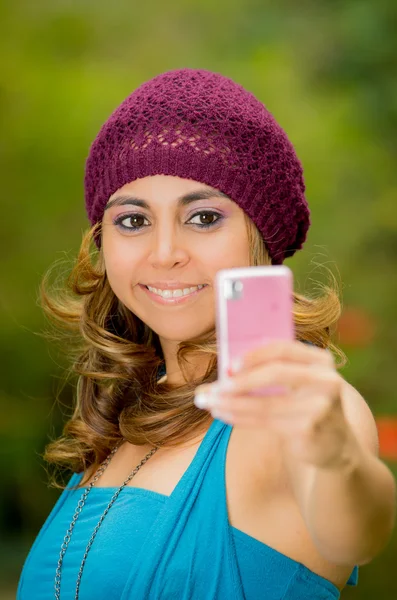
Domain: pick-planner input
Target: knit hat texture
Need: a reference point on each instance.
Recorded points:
(200, 125)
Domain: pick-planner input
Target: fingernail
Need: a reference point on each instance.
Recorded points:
(201, 400)
(236, 364)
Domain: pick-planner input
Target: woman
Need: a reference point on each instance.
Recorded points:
(182, 489)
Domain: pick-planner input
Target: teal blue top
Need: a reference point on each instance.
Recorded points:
(151, 546)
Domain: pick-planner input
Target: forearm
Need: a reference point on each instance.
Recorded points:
(349, 511)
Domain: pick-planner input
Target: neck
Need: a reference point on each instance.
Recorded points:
(194, 369)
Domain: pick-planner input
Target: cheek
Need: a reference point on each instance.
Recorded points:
(230, 250)
(120, 269)
(117, 253)
(117, 280)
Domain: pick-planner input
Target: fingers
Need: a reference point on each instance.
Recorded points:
(277, 385)
(286, 406)
(278, 424)
(287, 375)
(277, 407)
(285, 417)
(294, 351)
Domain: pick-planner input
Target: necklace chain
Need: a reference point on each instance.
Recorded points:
(78, 510)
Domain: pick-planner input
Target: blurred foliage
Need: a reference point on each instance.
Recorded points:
(326, 70)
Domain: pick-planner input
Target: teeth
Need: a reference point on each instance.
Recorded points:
(175, 293)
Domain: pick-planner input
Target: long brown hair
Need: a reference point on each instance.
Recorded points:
(116, 358)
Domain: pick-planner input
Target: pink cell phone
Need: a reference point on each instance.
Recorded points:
(253, 307)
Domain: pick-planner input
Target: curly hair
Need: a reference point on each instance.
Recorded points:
(116, 358)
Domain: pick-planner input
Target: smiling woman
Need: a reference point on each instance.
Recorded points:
(190, 175)
(166, 256)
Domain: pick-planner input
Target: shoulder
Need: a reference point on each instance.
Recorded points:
(261, 503)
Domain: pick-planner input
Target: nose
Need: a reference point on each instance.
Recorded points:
(167, 248)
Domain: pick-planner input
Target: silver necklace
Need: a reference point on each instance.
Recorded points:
(78, 510)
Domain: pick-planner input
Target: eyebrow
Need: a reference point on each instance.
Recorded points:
(182, 200)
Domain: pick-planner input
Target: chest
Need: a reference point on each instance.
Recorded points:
(256, 489)
(258, 496)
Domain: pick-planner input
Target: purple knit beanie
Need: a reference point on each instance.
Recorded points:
(200, 125)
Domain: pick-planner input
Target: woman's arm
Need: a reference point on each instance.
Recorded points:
(349, 509)
(346, 495)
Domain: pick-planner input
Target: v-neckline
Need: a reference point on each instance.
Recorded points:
(215, 426)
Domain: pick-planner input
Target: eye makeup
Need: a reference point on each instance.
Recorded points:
(200, 214)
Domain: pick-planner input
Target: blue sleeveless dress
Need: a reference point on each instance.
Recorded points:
(152, 546)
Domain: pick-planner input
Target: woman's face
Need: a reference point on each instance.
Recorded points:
(171, 235)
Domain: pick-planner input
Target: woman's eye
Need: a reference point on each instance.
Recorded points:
(131, 222)
(205, 219)
(136, 221)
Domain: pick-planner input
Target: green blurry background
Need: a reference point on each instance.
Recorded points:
(327, 71)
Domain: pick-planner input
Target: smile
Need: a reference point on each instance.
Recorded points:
(172, 296)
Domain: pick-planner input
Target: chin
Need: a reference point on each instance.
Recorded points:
(175, 324)
(181, 328)
(179, 333)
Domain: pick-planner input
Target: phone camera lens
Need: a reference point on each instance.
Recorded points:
(233, 289)
(237, 286)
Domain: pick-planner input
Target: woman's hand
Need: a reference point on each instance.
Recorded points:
(306, 409)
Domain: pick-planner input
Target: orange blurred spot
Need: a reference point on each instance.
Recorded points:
(387, 430)
(356, 327)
